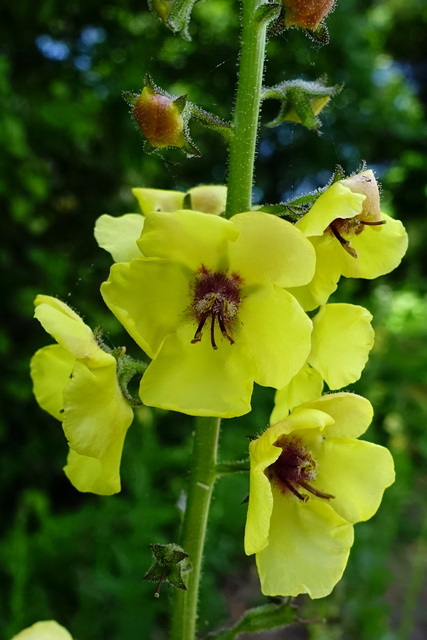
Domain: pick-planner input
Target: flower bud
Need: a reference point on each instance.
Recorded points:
(306, 13)
(366, 184)
(160, 119)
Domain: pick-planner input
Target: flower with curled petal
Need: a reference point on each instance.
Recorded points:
(76, 382)
(208, 304)
(351, 236)
(310, 481)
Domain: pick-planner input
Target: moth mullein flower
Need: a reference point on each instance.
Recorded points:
(46, 630)
(351, 236)
(208, 305)
(340, 344)
(76, 382)
(310, 481)
(119, 235)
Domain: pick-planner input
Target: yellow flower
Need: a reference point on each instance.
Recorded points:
(208, 305)
(76, 382)
(47, 630)
(119, 235)
(351, 236)
(310, 481)
(340, 344)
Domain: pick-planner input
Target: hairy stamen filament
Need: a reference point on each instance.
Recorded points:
(295, 491)
(373, 224)
(314, 491)
(346, 244)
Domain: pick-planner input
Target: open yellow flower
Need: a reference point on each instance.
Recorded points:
(76, 382)
(351, 236)
(119, 235)
(310, 481)
(340, 344)
(208, 305)
(46, 630)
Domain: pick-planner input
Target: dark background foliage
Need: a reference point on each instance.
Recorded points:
(69, 152)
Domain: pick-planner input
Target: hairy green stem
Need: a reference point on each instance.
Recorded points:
(201, 482)
(246, 111)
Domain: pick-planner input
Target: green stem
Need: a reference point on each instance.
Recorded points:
(246, 111)
(201, 482)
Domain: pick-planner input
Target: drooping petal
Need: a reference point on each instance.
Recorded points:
(150, 297)
(326, 276)
(342, 339)
(46, 630)
(380, 250)
(94, 475)
(356, 473)
(96, 414)
(352, 414)
(270, 250)
(306, 385)
(337, 201)
(50, 371)
(188, 237)
(208, 198)
(118, 236)
(198, 380)
(151, 200)
(276, 333)
(308, 548)
(69, 330)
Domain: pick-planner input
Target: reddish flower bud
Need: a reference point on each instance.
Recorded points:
(159, 118)
(306, 13)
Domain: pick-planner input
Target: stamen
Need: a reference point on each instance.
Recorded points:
(198, 334)
(223, 329)
(314, 491)
(346, 244)
(294, 491)
(213, 332)
(373, 224)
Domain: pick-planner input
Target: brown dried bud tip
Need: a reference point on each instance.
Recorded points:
(306, 13)
(159, 118)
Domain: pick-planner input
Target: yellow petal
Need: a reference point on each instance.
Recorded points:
(351, 414)
(50, 370)
(151, 200)
(342, 339)
(276, 333)
(308, 548)
(46, 630)
(356, 473)
(118, 236)
(306, 385)
(208, 199)
(188, 237)
(196, 379)
(69, 330)
(94, 475)
(150, 297)
(270, 250)
(337, 201)
(96, 414)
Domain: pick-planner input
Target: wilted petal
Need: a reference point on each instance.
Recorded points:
(50, 370)
(96, 475)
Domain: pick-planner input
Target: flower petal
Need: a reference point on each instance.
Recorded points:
(94, 475)
(50, 371)
(96, 414)
(337, 201)
(118, 236)
(69, 330)
(342, 339)
(46, 630)
(352, 414)
(356, 473)
(380, 250)
(208, 198)
(198, 380)
(150, 298)
(308, 548)
(276, 333)
(306, 385)
(188, 237)
(151, 200)
(270, 250)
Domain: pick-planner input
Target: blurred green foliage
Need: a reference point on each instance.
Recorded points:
(69, 153)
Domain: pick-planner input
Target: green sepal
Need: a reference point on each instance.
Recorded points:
(179, 17)
(263, 618)
(180, 102)
(127, 369)
(167, 566)
(268, 12)
(211, 121)
(319, 35)
(301, 101)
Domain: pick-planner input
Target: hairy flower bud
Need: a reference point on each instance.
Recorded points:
(306, 13)
(159, 118)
